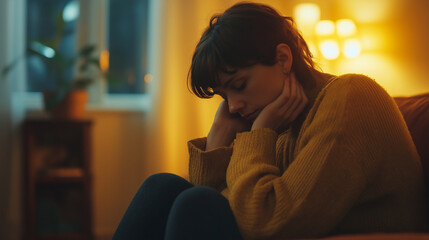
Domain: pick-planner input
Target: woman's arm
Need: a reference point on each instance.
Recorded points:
(347, 136)
(209, 157)
(208, 168)
(224, 128)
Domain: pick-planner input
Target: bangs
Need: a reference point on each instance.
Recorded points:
(218, 52)
(207, 62)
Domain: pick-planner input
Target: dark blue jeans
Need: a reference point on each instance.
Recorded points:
(168, 207)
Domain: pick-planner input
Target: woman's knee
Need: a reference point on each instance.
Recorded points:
(200, 200)
(202, 194)
(161, 179)
(165, 181)
(162, 188)
(203, 213)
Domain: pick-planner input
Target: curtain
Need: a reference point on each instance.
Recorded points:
(176, 116)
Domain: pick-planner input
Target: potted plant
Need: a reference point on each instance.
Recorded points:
(69, 97)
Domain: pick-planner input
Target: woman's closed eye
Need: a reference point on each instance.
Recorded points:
(238, 86)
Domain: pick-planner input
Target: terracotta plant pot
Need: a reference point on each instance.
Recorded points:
(66, 106)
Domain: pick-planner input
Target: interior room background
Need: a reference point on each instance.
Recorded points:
(132, 143)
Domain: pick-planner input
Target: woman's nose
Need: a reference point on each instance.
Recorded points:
(235, 105)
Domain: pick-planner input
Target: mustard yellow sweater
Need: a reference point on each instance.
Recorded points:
(347, 165)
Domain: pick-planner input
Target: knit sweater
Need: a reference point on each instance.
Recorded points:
(346, 165)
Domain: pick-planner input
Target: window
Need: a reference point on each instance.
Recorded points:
(126, 39)
(43, 25)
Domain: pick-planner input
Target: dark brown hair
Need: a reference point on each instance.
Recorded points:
(244, 35)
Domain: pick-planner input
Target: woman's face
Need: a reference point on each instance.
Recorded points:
(250, 89)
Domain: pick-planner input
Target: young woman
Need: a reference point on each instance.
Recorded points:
(292, 152)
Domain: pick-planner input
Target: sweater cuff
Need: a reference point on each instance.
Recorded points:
(259, 142)
(253, 148)
(208, 168)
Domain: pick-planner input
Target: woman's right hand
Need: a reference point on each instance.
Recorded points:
(225, 126)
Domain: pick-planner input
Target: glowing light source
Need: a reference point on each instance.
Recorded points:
(306, 14)
(42, 49)
(345, 27)
(325, 28)
(327, 38)
(352, 48)
(104, 60)
(71, 11)
(329, 49)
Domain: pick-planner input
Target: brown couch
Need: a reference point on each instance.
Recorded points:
(415, 110)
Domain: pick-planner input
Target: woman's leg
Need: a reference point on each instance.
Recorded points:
(201, 213)
(147, 213)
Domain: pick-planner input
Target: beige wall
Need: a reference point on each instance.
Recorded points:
(130, 146)
(119, 165)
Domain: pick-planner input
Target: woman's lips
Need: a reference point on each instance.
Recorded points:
(251, 116)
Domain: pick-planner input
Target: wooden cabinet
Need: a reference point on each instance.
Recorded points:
(57, 179)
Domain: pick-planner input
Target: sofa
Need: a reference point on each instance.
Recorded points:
(415, 110)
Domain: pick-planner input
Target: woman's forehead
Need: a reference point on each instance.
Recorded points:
(224, 77)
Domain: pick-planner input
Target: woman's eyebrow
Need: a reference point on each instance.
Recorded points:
(229, 81)
(218, 91)
(235, 77)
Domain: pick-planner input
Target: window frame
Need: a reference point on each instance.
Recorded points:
(92, 27)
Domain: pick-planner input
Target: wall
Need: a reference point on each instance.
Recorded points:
(120, 164)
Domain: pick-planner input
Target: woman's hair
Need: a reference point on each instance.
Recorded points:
(244, 35)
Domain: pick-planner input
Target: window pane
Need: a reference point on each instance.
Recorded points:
(44, 18)
(127, 40)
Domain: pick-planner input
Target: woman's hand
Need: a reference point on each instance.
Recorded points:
(224, 128)
(285, 108)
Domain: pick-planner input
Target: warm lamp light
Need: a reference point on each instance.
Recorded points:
(324, 37)
(104, 60)
(329, 49)
(325, 28)
(306, 14)
(352, 48)
(345, 27)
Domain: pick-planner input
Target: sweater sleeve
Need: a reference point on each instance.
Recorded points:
(337, 154)
(208, 168)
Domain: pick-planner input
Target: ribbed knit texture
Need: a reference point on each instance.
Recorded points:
(347, 166)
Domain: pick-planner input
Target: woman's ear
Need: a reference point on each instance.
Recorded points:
(284, 57)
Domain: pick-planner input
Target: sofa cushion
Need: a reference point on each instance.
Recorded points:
(415, 110)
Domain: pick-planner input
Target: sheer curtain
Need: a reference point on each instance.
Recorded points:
(12, 86)
(176, 116)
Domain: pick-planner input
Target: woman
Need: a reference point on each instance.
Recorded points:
(292, 151)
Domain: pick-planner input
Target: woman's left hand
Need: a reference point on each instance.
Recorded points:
(285, 108)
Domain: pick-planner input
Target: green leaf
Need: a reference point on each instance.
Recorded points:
(95, 61)
(87, 50)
